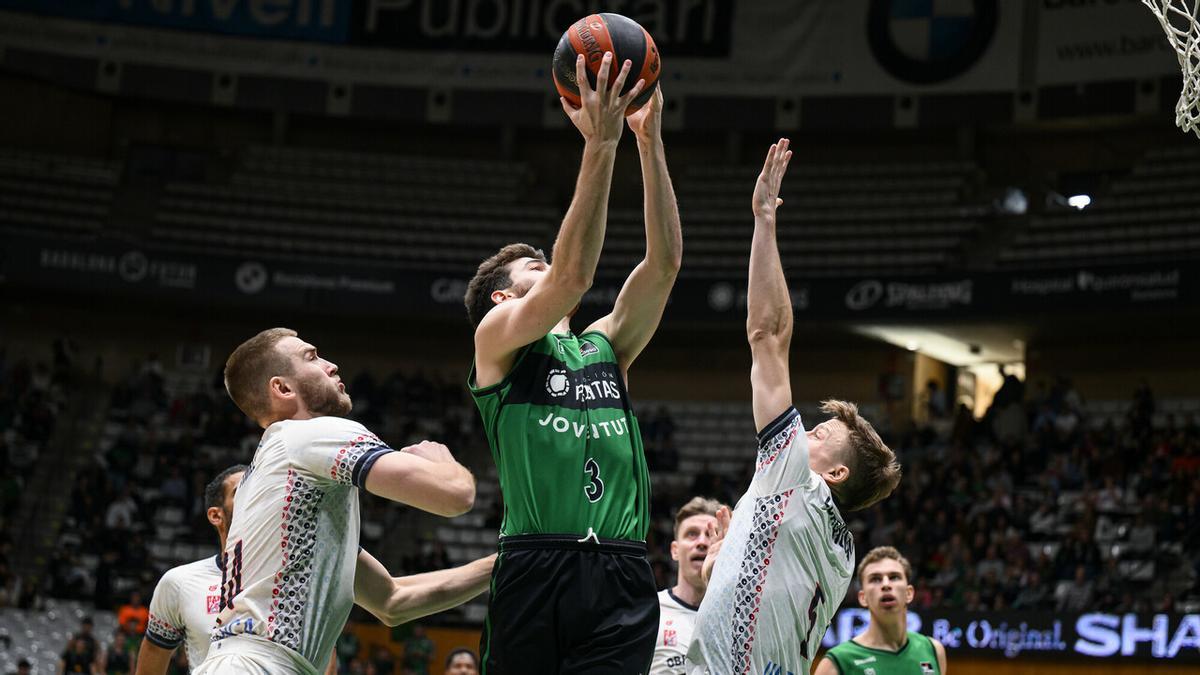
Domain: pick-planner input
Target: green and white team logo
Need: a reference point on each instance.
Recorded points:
(557, 382)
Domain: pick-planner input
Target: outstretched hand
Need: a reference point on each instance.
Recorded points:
(716, 536)
(646, 122)
(766, 190)
(602, 109)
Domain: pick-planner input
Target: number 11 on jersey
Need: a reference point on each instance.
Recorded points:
(231, 575)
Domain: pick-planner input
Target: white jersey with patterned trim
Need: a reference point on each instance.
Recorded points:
(293, 544)
(676, 621)
(184, 608)
(782, 571)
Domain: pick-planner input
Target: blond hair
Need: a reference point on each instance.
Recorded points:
(696, 506)
(874, 471)
(251, 366)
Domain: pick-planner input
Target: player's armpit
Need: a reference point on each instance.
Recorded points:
(637, 311)
(443, 488)
(152, 659)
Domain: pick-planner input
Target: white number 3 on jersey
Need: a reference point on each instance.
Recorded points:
(595, 488)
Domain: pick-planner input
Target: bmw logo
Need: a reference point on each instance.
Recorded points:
(133, 266)
(251, 277)
(926, 41)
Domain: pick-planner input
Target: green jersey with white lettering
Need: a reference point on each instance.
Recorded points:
(916, 657)
(566, 442)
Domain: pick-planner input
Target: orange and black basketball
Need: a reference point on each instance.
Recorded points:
(598, 33)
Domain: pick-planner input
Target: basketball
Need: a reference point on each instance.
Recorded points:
(598, 33)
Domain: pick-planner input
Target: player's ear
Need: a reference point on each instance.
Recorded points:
(280, 387)
(837, 475)
(909, 592)
(503, 294)
(215, 516)
(675, 551)
(862, 598)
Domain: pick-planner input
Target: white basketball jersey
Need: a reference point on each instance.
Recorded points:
(293, 544)
(782, 571)
(184, 608)
(676, 620)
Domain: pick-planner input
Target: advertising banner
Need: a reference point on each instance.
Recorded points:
(1046, 635)
(321, 20)
(710, 47)
(683, 28)
(1098, 41)
(117, 269)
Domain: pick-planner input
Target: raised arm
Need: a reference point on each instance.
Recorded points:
(769, 304)
(640, 304)
(516, 322)
(425, 476)
(396, 600)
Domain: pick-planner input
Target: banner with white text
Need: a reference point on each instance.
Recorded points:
(1046, 635)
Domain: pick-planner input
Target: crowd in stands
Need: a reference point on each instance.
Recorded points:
(1043, 506)
(416, 659)
(89, 652)
(31, 396)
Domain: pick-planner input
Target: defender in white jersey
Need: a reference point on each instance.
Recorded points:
(780, 568)
(677, 605)
(184, 607)
(292, 564)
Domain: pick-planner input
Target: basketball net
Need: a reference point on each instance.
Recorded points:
(1179, 20)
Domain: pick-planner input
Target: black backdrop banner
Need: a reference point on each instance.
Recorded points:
(120, 269)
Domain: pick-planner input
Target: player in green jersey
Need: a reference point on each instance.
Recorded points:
(887, 647)
(572, 591)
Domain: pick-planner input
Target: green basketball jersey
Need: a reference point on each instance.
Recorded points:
(566, 442)
(916, 657)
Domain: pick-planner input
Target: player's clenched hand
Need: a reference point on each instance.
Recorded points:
(434, 452)
(601, 113)
(716, 536)
(766, 190)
